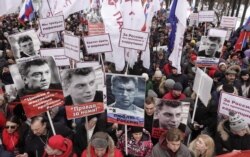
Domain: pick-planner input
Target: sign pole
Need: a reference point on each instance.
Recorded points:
(126, 139)
(51, 123)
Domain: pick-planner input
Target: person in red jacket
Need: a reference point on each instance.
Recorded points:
(58, 146)
(101, 145)
(175, 93)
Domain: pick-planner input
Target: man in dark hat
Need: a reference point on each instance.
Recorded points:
(175, 93)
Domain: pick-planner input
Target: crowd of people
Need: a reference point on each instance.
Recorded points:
(211, 133)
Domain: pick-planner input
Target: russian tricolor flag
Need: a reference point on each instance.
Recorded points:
(26, 12)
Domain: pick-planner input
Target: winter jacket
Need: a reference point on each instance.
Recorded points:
(117, 153)
(169, 96)
(142, 148)
(68, 153)
(226, 141)
(161, 149)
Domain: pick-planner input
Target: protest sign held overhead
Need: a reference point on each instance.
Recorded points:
(51, 24)
(169, 114)
(206, 16)
(213, 32)
(57, 54)
(125, 99)
(87, 64)
(72, 46)
(194, 19)
(82, 88)
(38, 84)
(228, 22)
(24, 44)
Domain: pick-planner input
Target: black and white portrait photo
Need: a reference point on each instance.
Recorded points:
(25, 44)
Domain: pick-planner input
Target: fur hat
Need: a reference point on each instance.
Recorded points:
(237, 123)
(177, 86)
(145, 75)
(229, 71)
(100, 140)
(57, 142)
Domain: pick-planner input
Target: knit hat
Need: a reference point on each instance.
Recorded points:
(158, 73)
(151, 93)
(193, 41)
(57, 142)
(236, 122)
(100, 140)
(222, 63)
(135, 129)
(145, 75)
(169, 83)
(229, 71)
(177, 86)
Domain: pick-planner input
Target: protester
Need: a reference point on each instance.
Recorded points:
(202, 146)
(149, 107)
(232, 134)
(170, 144)
(58, 146)
(175, 93)
(101, 145)
(245, 83)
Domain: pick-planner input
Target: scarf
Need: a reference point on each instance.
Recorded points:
(10, 140)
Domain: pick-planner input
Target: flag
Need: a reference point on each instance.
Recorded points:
(172, 20)
(247, 25)
(7, 7)
(26, 12)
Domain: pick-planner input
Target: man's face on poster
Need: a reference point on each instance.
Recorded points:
(38, 77)
(124, 93)
(27, 47)
(212, 47)
(170, 117)
(82, 88)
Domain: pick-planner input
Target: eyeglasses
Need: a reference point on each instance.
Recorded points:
(12, 127)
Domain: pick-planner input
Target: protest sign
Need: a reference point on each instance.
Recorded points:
(162, 121)
(133, 39)
(206, 16)
(72, 46)
(87, 64)
(125, 99)
(228, 22)
(194, 19)
(97, 43)
(213, 32)
(57, 54)
(87, 109)
(51, 24)
(38, 84)
(229, 102)
(24, 44)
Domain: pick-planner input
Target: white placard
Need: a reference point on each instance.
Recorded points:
(230, 102)
(194, 19)
(51, 24)
(72, 46)
(87, 64)
(97, 43)
(57, 54)
(133, 39)
(228, 22)
(213, 32)
(206, 16)
(206, 83)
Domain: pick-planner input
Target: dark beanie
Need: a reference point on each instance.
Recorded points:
(135, 129)
(177, 86)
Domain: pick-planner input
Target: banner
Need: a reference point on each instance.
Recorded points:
(133, 39)
(206, 16)
(217, 32)
(125, 99)
(87, 64)
(230, 102)
(52, 24)
(72, 46)
(228, 22)
(38, 84)
(97, 43)
(57, 54)
(169, 114)
(79, 111)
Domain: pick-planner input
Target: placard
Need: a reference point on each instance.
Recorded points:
(206, 16)
(228, 22)
(97, 43)
(72, 46)
(57, 54)
(230, 102)
(52, 24)
(194, 19)
(133, 39)
(217, 32)
(87, 64)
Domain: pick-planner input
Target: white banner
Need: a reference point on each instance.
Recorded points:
(230, 102)
(206, 16)
(72, 46)
(7, 7)
(97, 43)
(57, 54)
(87, 64)
(213, 32)
(133, 39)
(51, 24)
(228, 22)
